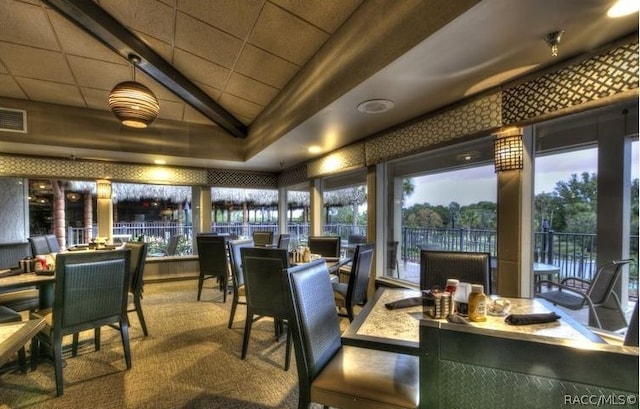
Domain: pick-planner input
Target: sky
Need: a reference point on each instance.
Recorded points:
(479, 184)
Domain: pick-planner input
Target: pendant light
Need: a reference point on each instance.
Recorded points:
(133, 103)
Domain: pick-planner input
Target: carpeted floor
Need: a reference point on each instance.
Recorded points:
(189, 360)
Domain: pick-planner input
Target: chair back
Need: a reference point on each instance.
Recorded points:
(631, 337)
(602, 285)
(39, 245)
(437, 266)
(262, 238)
(326, 246)
(172, 245)
(356, 239)
(283, 241)
(360, 271)
(236, 260)
(52, 243)
(316, 333)
(212, 255)
(264, 281)
(137, 262)
(91, 290)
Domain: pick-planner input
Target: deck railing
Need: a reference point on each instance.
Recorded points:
(573, 253)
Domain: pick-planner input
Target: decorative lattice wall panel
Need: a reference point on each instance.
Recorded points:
(349, 157)
(604, 75)
(293, 176)
(226, 178)
(475, 116)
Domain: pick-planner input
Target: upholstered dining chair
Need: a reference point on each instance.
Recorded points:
(262, 238)
(340, 376)
(326, 246)
(471, 267)
(39, 245)
(136, 287)
(91, 291)
(266, 291)
(213, 261)
(237, 276)
(52, 243)
(283, 241)
(347, 295)
(576, 293)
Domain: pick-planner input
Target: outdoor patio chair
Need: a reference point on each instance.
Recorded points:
(599, 292)
(336, 375)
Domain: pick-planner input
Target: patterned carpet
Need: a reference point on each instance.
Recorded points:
(189, 360)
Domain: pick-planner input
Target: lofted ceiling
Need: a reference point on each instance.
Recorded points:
(290, 73)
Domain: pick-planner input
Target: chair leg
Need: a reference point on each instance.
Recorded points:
(22, 360)
(200, 282)
(138, 304)
(96, 338)
(35, 352)
(57, 363)
(124, 334)
(247, 334)
(232, 314)
(287, 357)
(74, 344)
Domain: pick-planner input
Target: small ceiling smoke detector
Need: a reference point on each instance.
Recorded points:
(375, 106)
(553, 40)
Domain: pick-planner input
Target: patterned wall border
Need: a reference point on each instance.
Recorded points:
(477, 115)
(604, 75)
(349, 157)
(26, 166)
(293, 176)
(227, 178)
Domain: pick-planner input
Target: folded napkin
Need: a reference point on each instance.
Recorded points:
(404, 303)
(526, 319)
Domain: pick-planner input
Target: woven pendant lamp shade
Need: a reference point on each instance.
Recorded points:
(133, 104)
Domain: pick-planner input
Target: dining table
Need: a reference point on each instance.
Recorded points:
(15, 335)
(333, 263)
(397, 330)
(44, 281)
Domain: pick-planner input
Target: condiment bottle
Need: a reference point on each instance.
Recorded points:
(452, 284)
(477, 304)
(307, 255)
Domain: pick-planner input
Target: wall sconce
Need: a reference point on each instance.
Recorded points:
(508, 153)
(103, 189)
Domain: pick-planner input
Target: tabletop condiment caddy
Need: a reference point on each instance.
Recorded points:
(462, 298)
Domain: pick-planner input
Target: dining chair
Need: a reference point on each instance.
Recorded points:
(576, 293)
(336, 375)
(212, 258)
(354, 292)
(136, 286)
(356, 239)
(39, 245)
(283, 241)
(326, 246)
(91, 291)
(262, 238)
(237, 277)
(52, 243)
(438, 266)
(266, 289)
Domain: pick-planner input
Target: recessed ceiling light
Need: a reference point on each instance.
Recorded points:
(623, 8)
(160, 162)
(468, 156)
(375, 106)
(315, 149)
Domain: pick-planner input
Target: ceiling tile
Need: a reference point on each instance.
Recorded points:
(26, 24)
(212, 92)
(326, 14)
(3, 69)
(148, 16)
(192, 115)
(251, 90)
(28, 62)
(163, 49)
(76, 41)
(96, 98)
(286, 35)
(206, 41)
(53, 92)
(159, 90)
(241, 107)
(200, 70)
(265, 67)
(10, 88)
(233, 16)
(171, 110)
(98, 74)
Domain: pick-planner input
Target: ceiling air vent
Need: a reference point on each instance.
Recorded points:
(13, 120)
